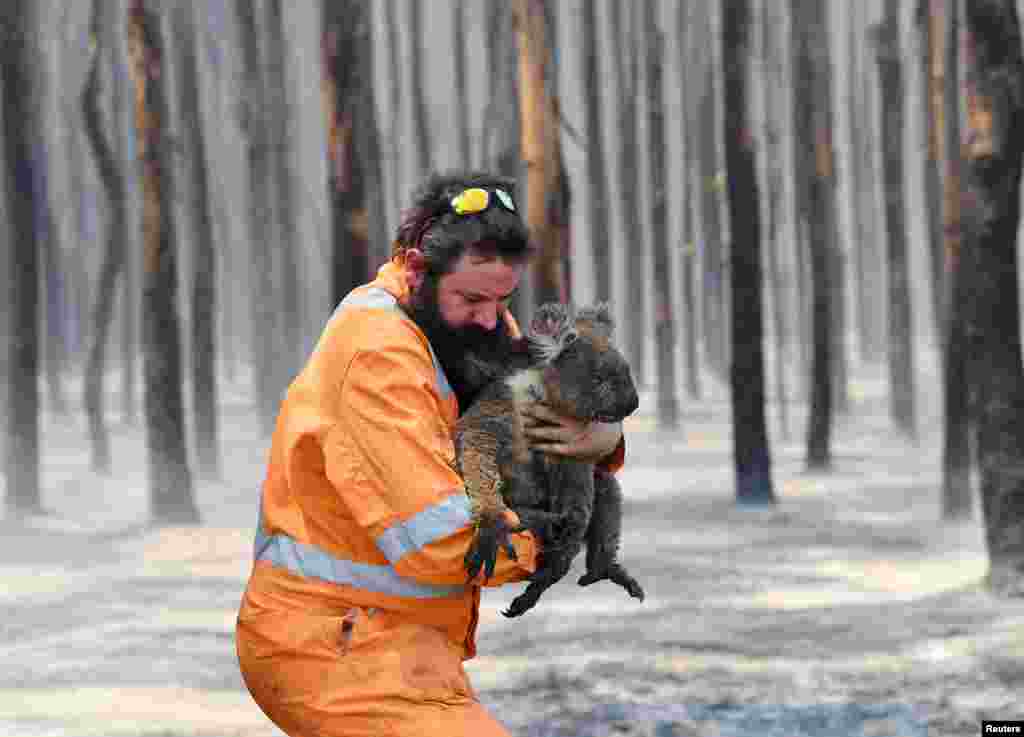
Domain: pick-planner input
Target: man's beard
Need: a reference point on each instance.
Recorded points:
(453, 345)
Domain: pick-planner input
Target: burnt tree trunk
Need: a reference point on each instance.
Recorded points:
(539, 151)
(689, 49)
(750, 431)
(169, 477)
(901, 351)
(94, 399)
(346, 74)
(22, 263)
(956, 460)
(988, 266)
(265, 323)
(814, 123)
(286, 263)
(122, 111)
(596, 171)
(715, 329)
(204, 264)
(930, 33)
(625, 57)
(664, 329)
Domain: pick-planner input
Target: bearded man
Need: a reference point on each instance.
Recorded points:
(357, 614)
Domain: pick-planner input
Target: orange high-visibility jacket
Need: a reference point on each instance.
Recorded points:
(363, 529)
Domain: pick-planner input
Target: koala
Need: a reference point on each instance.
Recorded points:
(568, 362)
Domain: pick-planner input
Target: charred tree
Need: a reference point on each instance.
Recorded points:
(867, 259)
(22, 264)
(597, 175)
(625, 58)
(956, 462)
(111, 270)
(169, 476)
(265, 327)
(750, 431)
(813, 132)
(988, 266)
(901, 351)
(930, 29)
(689, 50)
(540, 151)
(346, 75)
(716, 329)
(204, 264)
(664, 323)
(286, 261)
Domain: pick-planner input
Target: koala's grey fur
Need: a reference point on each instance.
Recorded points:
(568, 362)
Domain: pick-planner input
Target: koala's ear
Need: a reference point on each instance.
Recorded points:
(597, 317)
(549, 321)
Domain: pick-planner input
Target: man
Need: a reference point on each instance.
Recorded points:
(357, 615)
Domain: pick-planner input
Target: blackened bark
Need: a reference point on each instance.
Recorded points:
(279, 95)
(928, 33)
(204, 266)
(750, 432)
(901, 352)
(169, 476)
(957, 494)
(995, 145)
(419, 109)
(664, 328)
(625, 54)
(255, 124)
(822, 244)
(715, 330)
(814, 122)
(112, 179)
(22, 267)
(867, 260)
(347, 66)
(598, 205)
(689, 203)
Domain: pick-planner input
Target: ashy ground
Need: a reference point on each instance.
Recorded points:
(849, 609)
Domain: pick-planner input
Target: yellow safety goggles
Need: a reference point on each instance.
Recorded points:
(478, 199)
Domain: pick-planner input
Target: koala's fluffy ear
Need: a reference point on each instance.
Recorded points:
(597, 317)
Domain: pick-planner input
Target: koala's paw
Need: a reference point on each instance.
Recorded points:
(616, 574)
(491, 535)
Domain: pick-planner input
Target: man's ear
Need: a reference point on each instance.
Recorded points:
(415, 268)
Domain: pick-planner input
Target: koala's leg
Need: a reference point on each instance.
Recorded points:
(570, 487)
(477, 457)
(603, 536)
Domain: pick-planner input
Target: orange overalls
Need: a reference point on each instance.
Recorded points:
(357, 615)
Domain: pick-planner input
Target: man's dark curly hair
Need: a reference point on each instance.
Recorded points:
(442, 235)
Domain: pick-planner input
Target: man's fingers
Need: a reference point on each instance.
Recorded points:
(540, 412)
(546, 432)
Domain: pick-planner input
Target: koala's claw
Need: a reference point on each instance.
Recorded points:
(615, 574)
(483, 553)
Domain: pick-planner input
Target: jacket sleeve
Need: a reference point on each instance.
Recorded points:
(395, 471)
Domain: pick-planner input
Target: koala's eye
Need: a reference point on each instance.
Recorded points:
(569, 338)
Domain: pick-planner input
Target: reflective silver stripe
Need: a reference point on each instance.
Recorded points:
(310, 561)
(433, 523)
(375, 297)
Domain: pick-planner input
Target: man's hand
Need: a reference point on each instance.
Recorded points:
(549, 431)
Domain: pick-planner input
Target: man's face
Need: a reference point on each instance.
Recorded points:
(460, 311)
